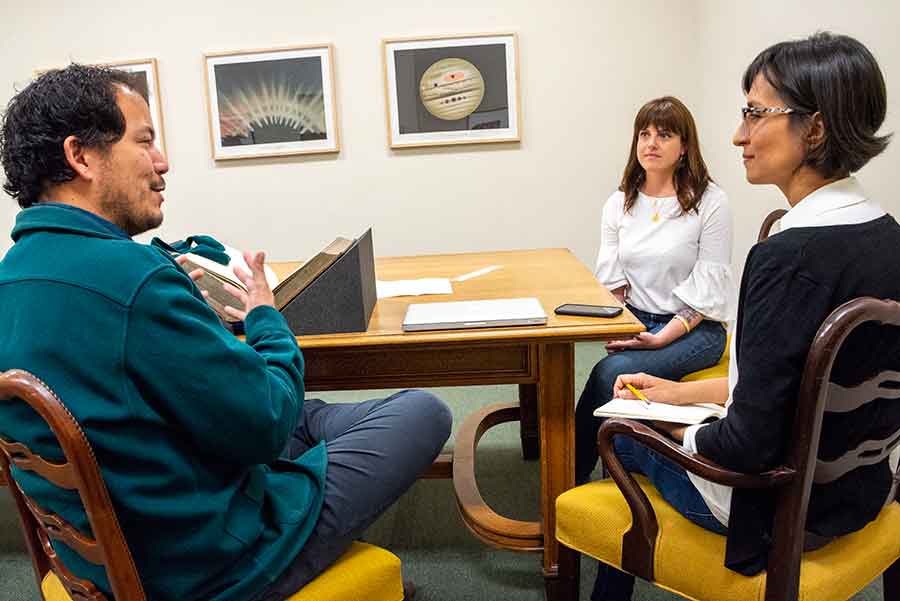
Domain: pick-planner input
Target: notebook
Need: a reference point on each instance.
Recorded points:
(474, 314)
(680, 414)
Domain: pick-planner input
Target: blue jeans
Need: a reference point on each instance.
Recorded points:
(673, 484)
(700, 348)
(376, 450)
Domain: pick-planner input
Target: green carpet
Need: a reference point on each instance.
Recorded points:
(424, 529)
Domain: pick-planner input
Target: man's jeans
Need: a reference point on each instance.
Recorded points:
(376, 450)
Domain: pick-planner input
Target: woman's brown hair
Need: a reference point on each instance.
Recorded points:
(691, 176)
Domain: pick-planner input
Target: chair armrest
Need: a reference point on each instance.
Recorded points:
(692, 462)
(639, 542)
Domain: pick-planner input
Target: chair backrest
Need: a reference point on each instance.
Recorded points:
(816, 396)
(768, 222)
(81, 473)
(793, 480)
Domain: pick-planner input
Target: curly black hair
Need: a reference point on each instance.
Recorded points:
(79, 101)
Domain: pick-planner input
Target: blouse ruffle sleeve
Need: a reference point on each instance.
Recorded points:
(710, 287)
(710, 290)
(608, 269)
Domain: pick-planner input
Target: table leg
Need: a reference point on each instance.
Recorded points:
(556, 412)
(565, 586)
(528, 428)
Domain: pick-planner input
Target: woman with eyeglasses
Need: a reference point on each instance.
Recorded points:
(665, 251)
(814, 108)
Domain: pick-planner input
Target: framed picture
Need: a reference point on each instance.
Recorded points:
(452, 89)
(271, 102)
(147, 81)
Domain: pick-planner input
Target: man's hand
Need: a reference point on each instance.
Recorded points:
(658, 390)
(195, 275)
(258, 293)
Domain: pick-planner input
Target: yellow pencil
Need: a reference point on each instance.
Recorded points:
(638, 394)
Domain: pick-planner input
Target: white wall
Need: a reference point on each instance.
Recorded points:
(579, 91)
(586, 67)
(732, 34)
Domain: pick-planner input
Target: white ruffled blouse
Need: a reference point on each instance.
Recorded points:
(670, 260)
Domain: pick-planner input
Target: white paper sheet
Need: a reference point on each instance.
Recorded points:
(413, 287)
(475, 274)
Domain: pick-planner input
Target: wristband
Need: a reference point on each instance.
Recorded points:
(684, 322)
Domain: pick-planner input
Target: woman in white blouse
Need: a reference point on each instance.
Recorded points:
(665, 251)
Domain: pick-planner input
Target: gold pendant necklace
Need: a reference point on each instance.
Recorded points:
(655, 210)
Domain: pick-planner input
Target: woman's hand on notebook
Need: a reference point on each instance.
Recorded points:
(657, 390)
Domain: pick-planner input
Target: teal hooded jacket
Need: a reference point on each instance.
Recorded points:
(187, 422)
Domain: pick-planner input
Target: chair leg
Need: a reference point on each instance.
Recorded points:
(528, 416)
(891, 582)
(565, 587)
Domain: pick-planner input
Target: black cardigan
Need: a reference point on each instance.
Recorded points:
(791, 282)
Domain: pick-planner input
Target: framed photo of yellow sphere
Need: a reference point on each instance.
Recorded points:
(452, 90)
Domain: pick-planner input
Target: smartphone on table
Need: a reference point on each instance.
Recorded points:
(588, 310)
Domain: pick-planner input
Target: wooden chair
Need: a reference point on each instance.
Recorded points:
(641, 534)
(770, 220)
(365, 572)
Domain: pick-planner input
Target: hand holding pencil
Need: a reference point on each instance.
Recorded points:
(644, 387)
(638, 394)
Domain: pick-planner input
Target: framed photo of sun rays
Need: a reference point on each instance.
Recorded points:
(273, 102)
(452, 89)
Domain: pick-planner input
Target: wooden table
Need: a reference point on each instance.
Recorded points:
(540, 359)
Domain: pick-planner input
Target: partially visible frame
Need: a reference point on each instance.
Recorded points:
(458, 89)
(148, 81)
(271, 102)
(148, 76)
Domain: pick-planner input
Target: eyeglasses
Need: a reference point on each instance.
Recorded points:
(751, 115)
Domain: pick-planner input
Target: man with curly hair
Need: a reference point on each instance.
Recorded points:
(227, 482)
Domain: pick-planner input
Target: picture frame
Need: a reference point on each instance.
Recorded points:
(148, 81)
(452, 89)
(148, 72)
(271, 102)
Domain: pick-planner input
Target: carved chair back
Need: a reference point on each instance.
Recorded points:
(79, 472)
(791, 481)
(819, 395)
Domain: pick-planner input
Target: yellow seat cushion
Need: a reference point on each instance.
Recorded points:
(53, 589)
(364, 573)
(719, 370)
(689, 560)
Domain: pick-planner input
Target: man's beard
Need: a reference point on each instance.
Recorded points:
(121, 210)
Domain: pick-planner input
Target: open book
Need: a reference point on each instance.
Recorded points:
(679, 414)
(216, 275)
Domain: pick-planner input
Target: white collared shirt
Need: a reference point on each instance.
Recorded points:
(839, 203)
